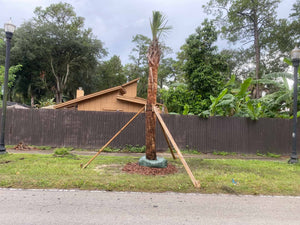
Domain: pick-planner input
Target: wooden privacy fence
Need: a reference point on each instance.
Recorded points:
(83, 129)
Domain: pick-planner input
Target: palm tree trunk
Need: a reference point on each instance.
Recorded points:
(150, 115)
(158, 25)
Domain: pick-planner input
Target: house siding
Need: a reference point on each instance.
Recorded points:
(106, 100)
(131, 90)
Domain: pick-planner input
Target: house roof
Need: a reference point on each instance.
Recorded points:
(137, 100)
(93, 95)
(141, 101)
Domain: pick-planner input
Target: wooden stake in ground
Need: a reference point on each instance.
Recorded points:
(165, 128)
(168, 142)
(141, 110)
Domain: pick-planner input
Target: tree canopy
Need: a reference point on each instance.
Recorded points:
(248, 21)
(58, 55)
(205, 70)
(110, 73)
(54, 43)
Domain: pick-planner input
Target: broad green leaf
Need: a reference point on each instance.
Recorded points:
(226, 103)
(216, 101)
(288, 61)
(273, 76)
(244, 87)
(286, 84)
(186, 109)
(298, 115)
(205, 114)
(231, 81)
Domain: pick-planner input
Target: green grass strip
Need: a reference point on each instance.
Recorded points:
(232, 176)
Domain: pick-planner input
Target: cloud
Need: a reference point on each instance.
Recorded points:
(115, 22)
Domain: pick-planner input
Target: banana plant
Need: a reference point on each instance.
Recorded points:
(215, 101)
(229, 104)
(254, 110)
(279, 99)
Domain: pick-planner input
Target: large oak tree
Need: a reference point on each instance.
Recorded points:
(56, 44)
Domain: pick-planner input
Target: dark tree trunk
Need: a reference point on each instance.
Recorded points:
(58, 96)
(150, 115)
(257, 54)
(153, 60)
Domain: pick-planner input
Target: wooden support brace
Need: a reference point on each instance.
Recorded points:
(168, 142)
(142, 109)
(165, 128)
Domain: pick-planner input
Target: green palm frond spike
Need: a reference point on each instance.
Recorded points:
(158, 25)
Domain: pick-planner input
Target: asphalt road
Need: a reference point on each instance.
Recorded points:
(66, 207)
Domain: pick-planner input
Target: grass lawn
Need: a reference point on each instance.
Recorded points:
(253, 177)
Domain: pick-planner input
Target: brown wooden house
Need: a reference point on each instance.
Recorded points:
(120, 98)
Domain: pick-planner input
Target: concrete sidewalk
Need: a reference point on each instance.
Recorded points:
(72, 207)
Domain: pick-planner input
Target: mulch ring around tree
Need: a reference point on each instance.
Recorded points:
(135, 168)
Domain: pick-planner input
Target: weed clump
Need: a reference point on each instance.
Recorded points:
(63, 153)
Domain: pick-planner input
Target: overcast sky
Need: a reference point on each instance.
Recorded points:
(115, 22)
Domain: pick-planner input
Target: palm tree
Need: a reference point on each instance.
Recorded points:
(158, 28)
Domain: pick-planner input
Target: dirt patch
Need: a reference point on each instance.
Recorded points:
(107, 166)
(5, 162)
(135, 168)
(23, 146)
(112, 168)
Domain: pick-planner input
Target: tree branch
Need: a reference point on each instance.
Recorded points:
(56, 77)
(67, 74)
(52, 67)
